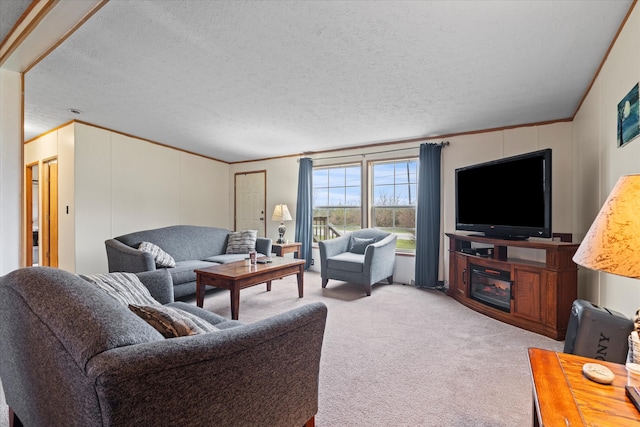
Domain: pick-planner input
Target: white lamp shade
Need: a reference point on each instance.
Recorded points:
(281, 213)
(612, 244)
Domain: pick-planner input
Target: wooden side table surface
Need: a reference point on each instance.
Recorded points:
(281, 249)
(563, 396)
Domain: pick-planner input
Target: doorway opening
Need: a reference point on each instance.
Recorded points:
(42, 213)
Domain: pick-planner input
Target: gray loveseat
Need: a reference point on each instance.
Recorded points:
(71, 355)
(190, 246)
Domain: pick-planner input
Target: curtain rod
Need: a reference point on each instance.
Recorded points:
(441, 144)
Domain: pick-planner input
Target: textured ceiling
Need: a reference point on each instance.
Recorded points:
(242, 80)
(10, 12)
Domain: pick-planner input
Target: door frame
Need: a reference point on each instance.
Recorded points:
(50, 212)
(47, 212)
(28, 223)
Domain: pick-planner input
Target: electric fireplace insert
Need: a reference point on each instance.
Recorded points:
(491, 287)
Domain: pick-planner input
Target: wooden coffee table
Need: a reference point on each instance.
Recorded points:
(237, 275)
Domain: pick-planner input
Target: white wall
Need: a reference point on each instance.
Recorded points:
(598, 162)
(66, 194)
(282, 188)
(142, 186)
(114, 184)
(91, 209)
(10, 170)
(205, 188)
(282, 177)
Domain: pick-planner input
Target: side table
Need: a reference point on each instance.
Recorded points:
(563, 396)
(281, 249)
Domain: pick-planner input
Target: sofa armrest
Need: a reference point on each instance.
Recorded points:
(263, 373)
(263, 245)
(122, 257)
(159, 283)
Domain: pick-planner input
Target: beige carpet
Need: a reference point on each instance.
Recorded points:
(404, 356)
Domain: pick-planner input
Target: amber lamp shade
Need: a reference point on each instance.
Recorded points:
(612, 244)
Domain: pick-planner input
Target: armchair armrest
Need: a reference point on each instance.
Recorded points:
(263, 373)
(263, 245)
(335, 246)
(382, 251)
(329, 248)
(122, 257)
(379, 258)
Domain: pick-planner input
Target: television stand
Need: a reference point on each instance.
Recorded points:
(502, 237)
(541, 293)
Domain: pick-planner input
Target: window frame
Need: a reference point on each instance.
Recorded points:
(371, 191)
(367, 188)
(344, 165)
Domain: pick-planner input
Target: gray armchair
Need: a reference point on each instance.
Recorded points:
(364, 256)
(71, 355)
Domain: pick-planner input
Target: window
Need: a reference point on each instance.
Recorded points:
(394, 199)
(337, 201)
(391, 194)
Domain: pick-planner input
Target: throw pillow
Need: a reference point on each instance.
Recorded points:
(123, 287)
(359, 245)
(170, 322)
(242, 242)
(162, 258)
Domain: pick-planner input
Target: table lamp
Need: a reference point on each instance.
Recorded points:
(281, 213)
(612, 244)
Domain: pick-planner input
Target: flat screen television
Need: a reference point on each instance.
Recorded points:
(509, 198)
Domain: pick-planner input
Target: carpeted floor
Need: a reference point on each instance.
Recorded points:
(404, 356)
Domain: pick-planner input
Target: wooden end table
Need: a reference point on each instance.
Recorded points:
(281, 249)
(237, 275)
(563, 396)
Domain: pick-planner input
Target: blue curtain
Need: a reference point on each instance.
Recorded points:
(304, 210)
(428, 217)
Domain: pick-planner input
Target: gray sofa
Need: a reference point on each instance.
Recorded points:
(190, 246)
(364, 256)
(71, 355)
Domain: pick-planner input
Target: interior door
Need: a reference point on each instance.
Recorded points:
(250, 197)
(49, 229)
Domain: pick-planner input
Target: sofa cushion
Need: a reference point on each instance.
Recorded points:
(242, 242)
(358, 245)
(347, 261)
(161, 258)
(125, 288)
(184, 272)
(227, 258)
(172, 322)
